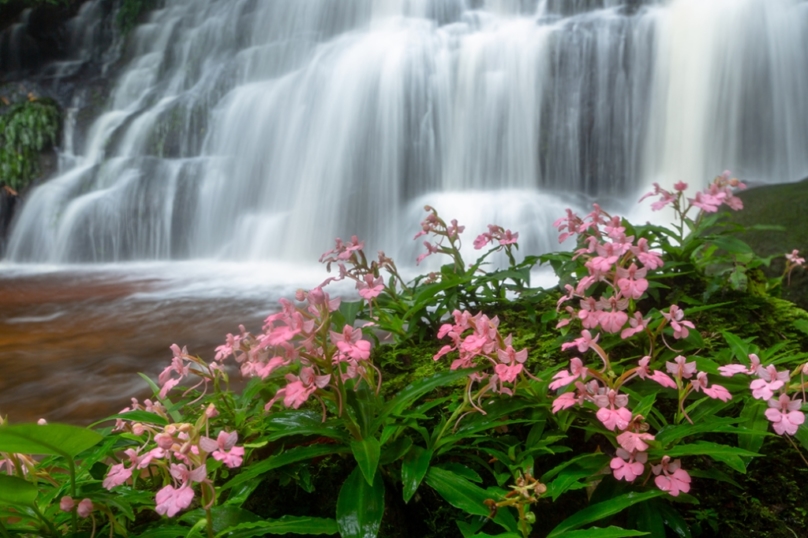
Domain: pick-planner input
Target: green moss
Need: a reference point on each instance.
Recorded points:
(26, 129)
(131, 11)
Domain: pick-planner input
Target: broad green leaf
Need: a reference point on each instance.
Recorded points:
(727, 454)
(645, 517)
(413, 470)
(17, 491)
(349, 309)
(801, 325)
(366, 452)
(466, 496)
(292, 455)
(672, 519)
(395, 450)
(300, 422)
(601, 510)
(603, 532)
(753, 419)
(461, 470)
(360, 506)
(54, 439)
(670, 434)
(413, 391)
(283, 525)
(739, 347)
(164, 532)
(223, 517)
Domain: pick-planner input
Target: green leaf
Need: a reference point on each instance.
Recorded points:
(413, 470)
(300, 422)
(601, 510)
(466, 496)
(293, 455)
(727, 454)
(17, 491)
(645, 517)
(395, 450)
(670, 434)
(739, 347)
(164, 532)
(360, 506)
(350, 309)
(754, 419)
(366, 452)
(283, 525)
(802, 435)
(415, 390)
(604, 532)
(55, 439)
(222, 517)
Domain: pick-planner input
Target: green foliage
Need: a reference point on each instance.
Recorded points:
(25, 130)
(131, 10)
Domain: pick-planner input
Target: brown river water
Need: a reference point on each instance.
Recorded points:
(72, 340)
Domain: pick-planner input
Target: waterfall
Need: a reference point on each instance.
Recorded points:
(261, 129)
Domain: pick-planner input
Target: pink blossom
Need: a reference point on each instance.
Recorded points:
(657, 376)
(680, 186)
(666, 197)
(649, 259)
(631, 281)
(565, 377)
(785, 414)
(613, 320)
(117, 475)
(716, 392)
(708, 203)
(636, 326)
(566, 400)
(675, 317)
(67, 503)
(770, 381)
(298, 389)
(370, 287)
(508, 373)
(671, 477)
(627, 466)
(581, 343)
(795, 258)
(680, 368)
(590, 313)
(85, 508)
(613, 413)
(171, 501)
(632, 441)
(730, 370)
(223, 448)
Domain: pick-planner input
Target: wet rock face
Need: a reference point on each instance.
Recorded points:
(31, 38)
(8, 201)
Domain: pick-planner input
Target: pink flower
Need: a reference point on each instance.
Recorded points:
(680, 186)
(171, 501)
(298, 389)
(565, 377)
(223, 448)
(660, 377)
(67, 503)
(675, 317)
(565, 401)
(708, 202)
(649, 259)
(716, 392)
(671, 477)
(770, 381)
(631, 281)
(785, 414)
(636, 325)
(731, 369)
(371, 287)
(627, 466)
(666, 197)
(680, 368)
(581, 343)
(85, 508)
(632, 441)
(613, 413)
(117, 475)
(795, 258)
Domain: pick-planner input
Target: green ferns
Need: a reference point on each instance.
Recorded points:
(25, 130)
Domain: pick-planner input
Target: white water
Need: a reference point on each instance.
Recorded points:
(259, 130)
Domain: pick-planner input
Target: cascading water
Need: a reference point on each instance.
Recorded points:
(244, 129)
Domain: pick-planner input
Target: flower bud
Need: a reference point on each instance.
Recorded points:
(66, 504)
(85, 507)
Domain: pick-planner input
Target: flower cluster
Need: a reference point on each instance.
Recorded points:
(720, 191)
(772, 386)
(300, 338)
(477, 341)
(178, 452)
